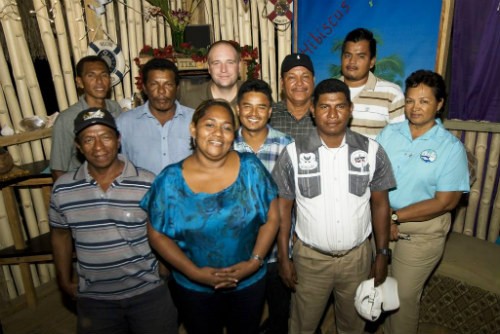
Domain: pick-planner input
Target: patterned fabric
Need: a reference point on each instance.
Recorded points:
(378, 104)
(463, 308)
(268, 153)
(150, 145)
(284, 121)
(216, 230)
(63, 155)
(342, 177)
(115, 260)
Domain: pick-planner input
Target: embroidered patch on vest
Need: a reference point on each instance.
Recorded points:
(307, 161)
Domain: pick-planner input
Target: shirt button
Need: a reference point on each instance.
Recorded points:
(164, 138)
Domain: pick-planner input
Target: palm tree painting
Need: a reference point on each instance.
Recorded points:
(390, 68)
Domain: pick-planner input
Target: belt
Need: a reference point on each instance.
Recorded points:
(330, 253)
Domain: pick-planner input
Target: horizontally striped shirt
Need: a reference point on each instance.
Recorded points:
(378, 104)
(268, 153)
(114, 259)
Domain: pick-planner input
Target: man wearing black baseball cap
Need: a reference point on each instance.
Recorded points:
(119, 288)
(292, 115)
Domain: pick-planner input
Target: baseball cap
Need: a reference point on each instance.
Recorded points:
(371, 301)
(93, 116)
(296, 59)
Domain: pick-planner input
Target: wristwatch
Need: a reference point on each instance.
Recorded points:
(386, 252)
(394, 218)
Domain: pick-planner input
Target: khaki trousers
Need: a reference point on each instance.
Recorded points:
(318, 276)
(412, 263)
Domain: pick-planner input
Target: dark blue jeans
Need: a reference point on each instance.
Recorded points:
(152, 312)
(208, 313)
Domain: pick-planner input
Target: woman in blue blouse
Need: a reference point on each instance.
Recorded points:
(430, 166)
(213, 217)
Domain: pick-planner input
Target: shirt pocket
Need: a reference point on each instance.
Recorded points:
(309, 185)
(358, 182)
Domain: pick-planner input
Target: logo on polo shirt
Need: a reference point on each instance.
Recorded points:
(428, 156)
(307, 161)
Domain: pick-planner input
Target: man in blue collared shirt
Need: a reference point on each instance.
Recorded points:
(156, 134)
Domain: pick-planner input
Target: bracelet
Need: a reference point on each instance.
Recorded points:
(258, 258)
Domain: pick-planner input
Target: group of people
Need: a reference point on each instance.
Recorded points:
(204, 215)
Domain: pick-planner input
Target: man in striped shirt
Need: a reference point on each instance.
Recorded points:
(376, 102)
(96, 210)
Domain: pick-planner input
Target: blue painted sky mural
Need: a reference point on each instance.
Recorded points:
(406, 33)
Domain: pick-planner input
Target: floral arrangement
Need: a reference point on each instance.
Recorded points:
(249, 56)
(177, 19)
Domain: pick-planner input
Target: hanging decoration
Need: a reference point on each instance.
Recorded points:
(112, 55)
(281, 12)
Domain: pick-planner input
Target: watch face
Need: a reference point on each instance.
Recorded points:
(394, 217)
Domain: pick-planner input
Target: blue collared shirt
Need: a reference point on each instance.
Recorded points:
(153, 146)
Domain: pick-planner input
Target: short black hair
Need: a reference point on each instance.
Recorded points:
(89, 59)
(361, 34)
(255, 85)
(431, 79)
(161, 64)
(205, 105)
(331, 86)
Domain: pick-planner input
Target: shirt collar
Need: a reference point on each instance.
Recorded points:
(180, 110)
(314, 141)
(129, 170)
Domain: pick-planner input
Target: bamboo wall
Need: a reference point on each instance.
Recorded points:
(66, 27)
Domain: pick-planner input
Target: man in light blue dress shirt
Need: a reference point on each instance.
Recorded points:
(156, 134)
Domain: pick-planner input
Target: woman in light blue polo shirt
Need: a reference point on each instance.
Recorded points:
(430, 166)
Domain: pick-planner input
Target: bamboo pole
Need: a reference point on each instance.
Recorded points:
(109, 22)
(246, 26)
(138, 25)
(264, 44)
(64, 55)
(254, 18)
(9, 282)
(128, 86)
(83, 31)
(50, 46)
(228, 31)
(487, 191)
(73, 33)
(132, 40)
(459, 222)
(8, 100)
(494, 230)
(475, 191)
(93, 21)
(162, 40)
(147, 23)
(217, 25)
(35, 104)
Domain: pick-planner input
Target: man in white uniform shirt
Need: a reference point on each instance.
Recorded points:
(339, 180)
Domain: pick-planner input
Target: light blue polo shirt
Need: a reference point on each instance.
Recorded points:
(435, 161)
